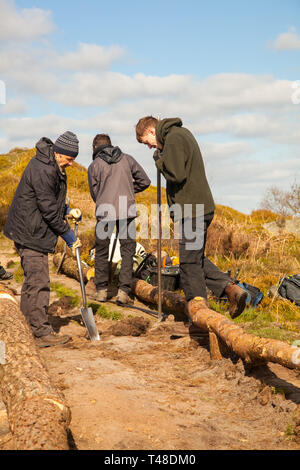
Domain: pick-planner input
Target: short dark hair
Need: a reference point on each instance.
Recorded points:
(101, 139)
(144, 124)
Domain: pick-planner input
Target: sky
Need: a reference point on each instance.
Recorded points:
(230, 70)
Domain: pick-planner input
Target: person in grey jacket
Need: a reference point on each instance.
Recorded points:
(114, 178)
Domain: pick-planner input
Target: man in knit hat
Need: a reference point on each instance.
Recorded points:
(35, 220)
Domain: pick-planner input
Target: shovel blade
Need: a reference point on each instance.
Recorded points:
(89, 321)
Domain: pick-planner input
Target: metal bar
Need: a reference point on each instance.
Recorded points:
(160, 316)
(135, 307)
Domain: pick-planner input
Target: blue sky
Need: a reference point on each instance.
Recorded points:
(226, 68)
(172, 36)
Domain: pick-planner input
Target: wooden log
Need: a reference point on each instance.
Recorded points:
(214, 347)
(171, 302)
(37, 414)
(252, 349)
(69, 267)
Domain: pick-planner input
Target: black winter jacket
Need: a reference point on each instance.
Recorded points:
(182, 165)
(36, 215)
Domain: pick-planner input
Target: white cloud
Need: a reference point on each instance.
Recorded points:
(107, 88)
(288, 41)
(282, 127)
(225, 151)
(236, 172)
(13, 107)
(243, 185)
(223, 92)
(26, 24)
(83, 79)
(233, 115)
(90, 57)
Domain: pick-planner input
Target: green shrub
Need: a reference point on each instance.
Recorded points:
(63, 291)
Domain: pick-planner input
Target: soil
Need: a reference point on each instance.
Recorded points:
(150, 385)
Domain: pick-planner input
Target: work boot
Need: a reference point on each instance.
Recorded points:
(100, 295)
(123, 298)
(237, 299)
(5, 275)
(53, 339)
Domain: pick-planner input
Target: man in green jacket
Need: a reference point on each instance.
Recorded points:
(190, 201)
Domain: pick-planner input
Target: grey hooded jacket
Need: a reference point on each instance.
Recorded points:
(114, 177)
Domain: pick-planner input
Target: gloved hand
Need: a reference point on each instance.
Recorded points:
(69, 237)
(71, 240)
(156, 155)
(76, 244)
(75, 214)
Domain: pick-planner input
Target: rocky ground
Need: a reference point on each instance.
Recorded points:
(150, 385)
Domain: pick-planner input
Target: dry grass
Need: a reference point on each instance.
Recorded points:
(235, 240)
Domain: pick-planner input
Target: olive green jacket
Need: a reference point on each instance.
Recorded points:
(182, 165)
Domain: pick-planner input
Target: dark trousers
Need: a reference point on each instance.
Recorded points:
(35, 292)
(127, 248)
(196, 271)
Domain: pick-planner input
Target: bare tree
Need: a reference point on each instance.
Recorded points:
(282, 202)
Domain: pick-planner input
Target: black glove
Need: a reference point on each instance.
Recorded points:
(156, 155)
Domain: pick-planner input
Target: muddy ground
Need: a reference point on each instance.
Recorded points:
(150, 385)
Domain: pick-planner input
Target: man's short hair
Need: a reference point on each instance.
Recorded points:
(144, 124)
(101, 139)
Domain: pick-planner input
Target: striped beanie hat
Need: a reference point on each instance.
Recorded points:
(67, 144)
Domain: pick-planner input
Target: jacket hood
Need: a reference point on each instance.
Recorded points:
(163, 127)
(108, 153)
(44, 150)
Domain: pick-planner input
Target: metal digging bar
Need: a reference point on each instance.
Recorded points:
(161, 316)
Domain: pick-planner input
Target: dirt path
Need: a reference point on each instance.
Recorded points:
(151, 386)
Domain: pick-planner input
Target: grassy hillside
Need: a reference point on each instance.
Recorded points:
(235, 241)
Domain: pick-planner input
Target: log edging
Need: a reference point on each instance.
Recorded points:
(37, 413)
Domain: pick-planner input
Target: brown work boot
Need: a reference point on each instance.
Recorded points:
(53, 339)
(123, 298)
(100, 295)
(237, 299)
